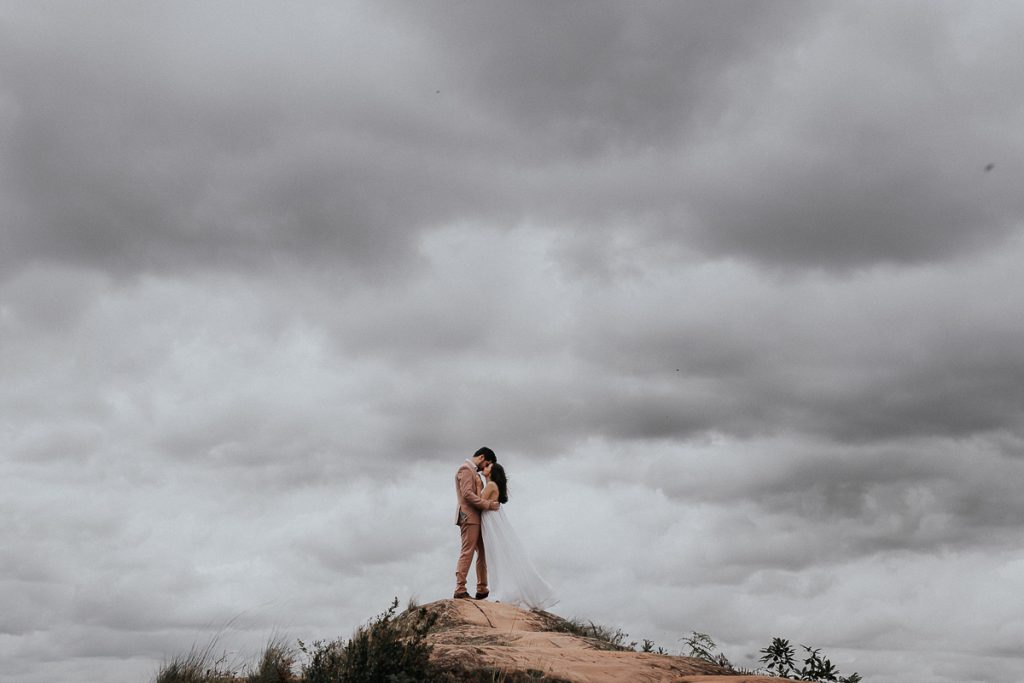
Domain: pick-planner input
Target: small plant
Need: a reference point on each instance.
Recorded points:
(818, 668)
(703, 647)
(275, 665)
(608, 638)
(778, 658)
(648, 646)
(198, 666)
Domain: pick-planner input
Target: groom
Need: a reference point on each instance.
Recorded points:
(467, 489)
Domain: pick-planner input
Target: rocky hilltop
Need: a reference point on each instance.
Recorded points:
(471, 637)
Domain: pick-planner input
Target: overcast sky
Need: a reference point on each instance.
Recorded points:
(733, 289)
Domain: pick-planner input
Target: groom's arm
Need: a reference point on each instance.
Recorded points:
(466, 489)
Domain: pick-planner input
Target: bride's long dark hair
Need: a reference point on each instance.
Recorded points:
(499, 478)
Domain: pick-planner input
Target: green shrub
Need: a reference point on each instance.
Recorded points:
(382, 651)
(779, 658)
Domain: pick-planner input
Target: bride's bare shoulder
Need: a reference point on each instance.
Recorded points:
(489, 489)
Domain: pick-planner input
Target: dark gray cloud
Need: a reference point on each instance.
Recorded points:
(170, 139)
(583, 81)
(786, 133)
(862, 143)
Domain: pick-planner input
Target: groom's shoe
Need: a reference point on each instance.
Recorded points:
(462, 595)
(481, 596)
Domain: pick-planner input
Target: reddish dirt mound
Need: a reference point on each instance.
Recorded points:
(516, 645)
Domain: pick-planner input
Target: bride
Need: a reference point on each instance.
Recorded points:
(513, 578)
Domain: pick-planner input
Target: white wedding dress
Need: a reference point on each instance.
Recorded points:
(511, 576)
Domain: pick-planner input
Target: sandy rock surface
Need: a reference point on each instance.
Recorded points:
(488, 635)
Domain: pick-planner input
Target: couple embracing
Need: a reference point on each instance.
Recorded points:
(487, 533)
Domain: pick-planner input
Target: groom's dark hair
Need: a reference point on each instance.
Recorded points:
(488, 454)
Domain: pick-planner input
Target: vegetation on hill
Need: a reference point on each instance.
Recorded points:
(384, 650)
(779, 659)
(394, 649)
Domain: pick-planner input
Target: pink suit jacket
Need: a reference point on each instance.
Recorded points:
(467, 489)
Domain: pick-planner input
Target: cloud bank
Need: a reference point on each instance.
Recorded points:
(732, 289)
